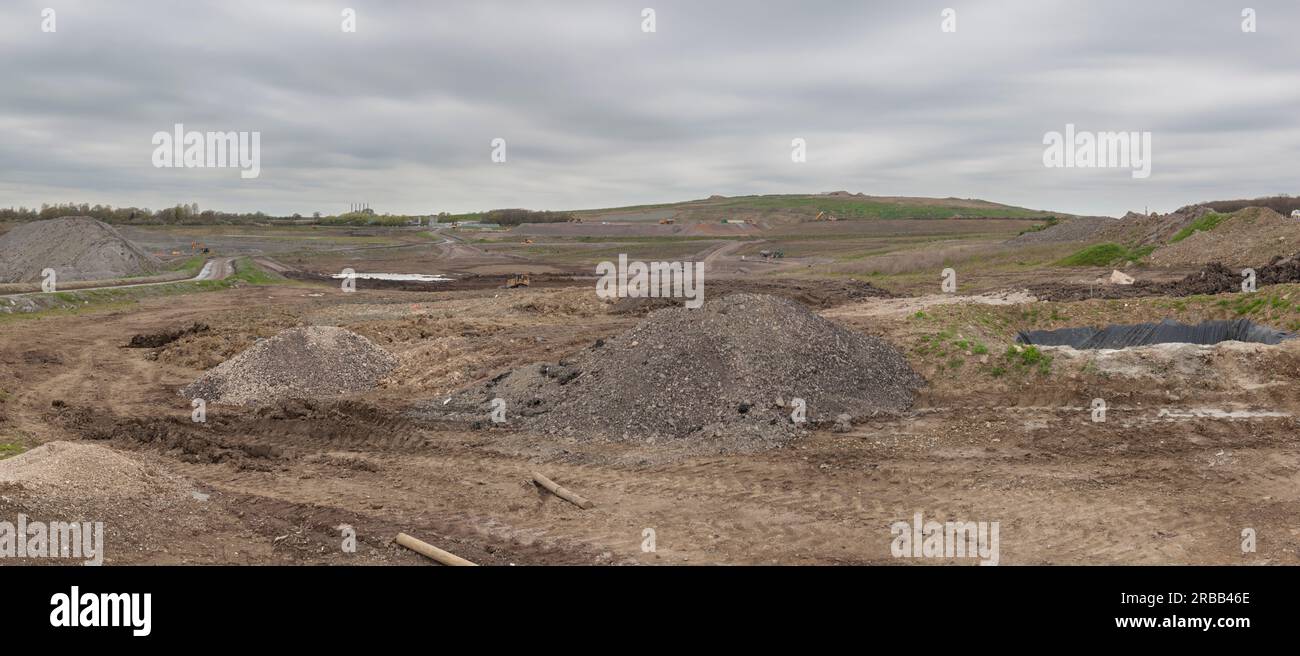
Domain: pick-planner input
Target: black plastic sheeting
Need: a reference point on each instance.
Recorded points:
(1165, 332)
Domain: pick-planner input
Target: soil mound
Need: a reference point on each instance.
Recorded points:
(312, 362)
(85, 471)
(727, 373)
(77, 248)
(166, 336)
(1248, 237)
(1213, 278)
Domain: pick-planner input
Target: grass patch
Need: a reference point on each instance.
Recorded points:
(191, 266)
(1027, 358)
(10, 449)
(1101, 255)
(114, 298)
(1204, 224)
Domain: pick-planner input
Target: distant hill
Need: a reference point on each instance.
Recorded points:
(793, 208)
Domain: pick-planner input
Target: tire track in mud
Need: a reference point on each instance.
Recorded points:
(770, 507)
(1057, 502)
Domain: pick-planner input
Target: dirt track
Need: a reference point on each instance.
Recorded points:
(1065, 490)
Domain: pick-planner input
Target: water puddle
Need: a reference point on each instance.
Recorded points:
(400, 277)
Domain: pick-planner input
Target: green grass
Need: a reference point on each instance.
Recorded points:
(192, 265)
(10, 449)
(79, 302)
(1027, 358)
(1102, 255)
(1208, 222)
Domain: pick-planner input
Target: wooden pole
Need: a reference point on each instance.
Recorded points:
(425, 549)
(558, 491)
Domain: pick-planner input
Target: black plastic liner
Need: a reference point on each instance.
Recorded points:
(1165, 332)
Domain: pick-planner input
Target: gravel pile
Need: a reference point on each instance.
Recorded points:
(77, 248)
(85, 471)
(1079, 228)
(311, 362)
(726, 373)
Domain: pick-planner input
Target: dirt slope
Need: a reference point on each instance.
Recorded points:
(1249, 237)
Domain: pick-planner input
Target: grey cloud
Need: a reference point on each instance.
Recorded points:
(596, 113)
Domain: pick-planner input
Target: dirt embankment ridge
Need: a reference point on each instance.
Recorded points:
(77, 248)
(1249, 237)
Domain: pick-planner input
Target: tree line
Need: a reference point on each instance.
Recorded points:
(191, 215)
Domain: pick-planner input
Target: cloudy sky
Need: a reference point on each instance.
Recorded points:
(597, 113)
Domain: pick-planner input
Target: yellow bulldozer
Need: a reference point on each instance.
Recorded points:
(521, 280)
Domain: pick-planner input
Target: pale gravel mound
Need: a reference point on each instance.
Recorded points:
(77, 248)
(723, 375)
(86, 471)
(313, 362)
(1248, 237)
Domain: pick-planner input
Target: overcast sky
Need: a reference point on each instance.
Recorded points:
(597, 113)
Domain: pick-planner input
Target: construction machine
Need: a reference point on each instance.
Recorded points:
(521, 280)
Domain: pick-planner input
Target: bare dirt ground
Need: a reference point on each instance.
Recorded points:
(274, 485)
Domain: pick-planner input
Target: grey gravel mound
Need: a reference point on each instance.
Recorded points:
(313, 362)
(76, 247)
(1079, 228)
(727, 374)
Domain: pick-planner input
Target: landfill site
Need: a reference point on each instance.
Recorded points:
(1107, 390)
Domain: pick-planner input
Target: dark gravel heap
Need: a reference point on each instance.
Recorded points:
(1079, 228)
(726, 373)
